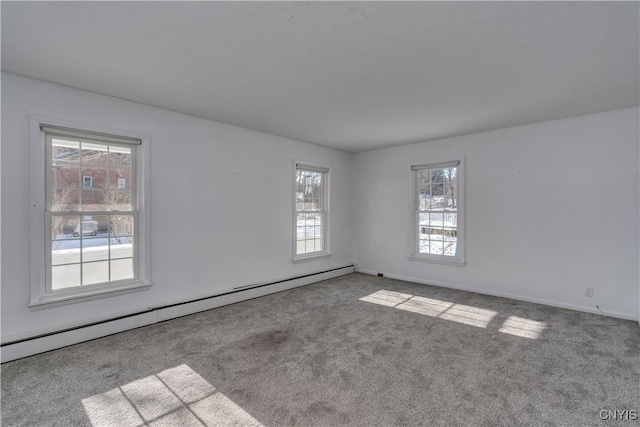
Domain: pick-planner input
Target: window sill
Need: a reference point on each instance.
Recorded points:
(438, 260)
(312, 257)
(83, 295)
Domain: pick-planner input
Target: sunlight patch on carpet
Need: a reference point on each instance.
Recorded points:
(176, 396)
(459, 313)
(522, 327)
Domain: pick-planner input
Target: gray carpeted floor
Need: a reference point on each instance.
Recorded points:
(357, 350)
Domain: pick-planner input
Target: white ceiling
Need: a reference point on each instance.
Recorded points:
(350, 75)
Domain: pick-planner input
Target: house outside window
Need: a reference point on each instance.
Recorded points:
(90, 229)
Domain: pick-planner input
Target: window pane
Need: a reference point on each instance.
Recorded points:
(90, 226)
(95, 249)
(424, 197)
(435, 247)
(65, 248)
(437, 175)
(312, 227)
(94, 178)
(66, 151)
(122, 247)
(308, 189)
(65, 199)
(318, 189)
(121, 226)
(122, 269)
(120, 200)
(299, 182)
(94, 200)
(300, 224)
(65, 175)
(62, 227)
(300, 247)
(309, 246)
(423, 245)
(424, 177)
(309, 232)
(65, 276)
(423, 219)
(95, 272)
(120, 178)
(66, 251)
(119, 156)
(435, 219)
(451, 220)
(451, 190)
(318, 247)
(95, 238)
(450, 174)
(450, 245)
(437, 194)
(93, 154)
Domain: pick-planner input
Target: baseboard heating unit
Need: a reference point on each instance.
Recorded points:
(16, 347)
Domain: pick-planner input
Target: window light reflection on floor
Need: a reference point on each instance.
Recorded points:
(176, 396)
(460, 313)
(521, 327)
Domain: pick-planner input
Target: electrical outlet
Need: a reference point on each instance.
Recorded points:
(588, 292)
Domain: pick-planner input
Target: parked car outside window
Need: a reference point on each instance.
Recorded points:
(88, 227)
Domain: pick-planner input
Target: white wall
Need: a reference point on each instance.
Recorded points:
(580, 175)
(221, 200)
(551, 208)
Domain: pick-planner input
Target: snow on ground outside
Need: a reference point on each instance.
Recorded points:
(67, 241)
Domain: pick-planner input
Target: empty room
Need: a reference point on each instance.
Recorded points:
(320, 213)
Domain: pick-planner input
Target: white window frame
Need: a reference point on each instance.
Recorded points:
(414, 254)
(326, 171)
(41, 295)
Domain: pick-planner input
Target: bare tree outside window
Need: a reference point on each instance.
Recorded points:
(437, 210)
(310, 203)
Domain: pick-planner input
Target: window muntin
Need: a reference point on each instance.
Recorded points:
(310, 211)
(437, 227)
(90, 217)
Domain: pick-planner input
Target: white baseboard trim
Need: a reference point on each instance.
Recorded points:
(586, 309)
(47, 340)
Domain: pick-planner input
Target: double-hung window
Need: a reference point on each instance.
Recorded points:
(437, 228)
(91, 213)
(311, 213)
